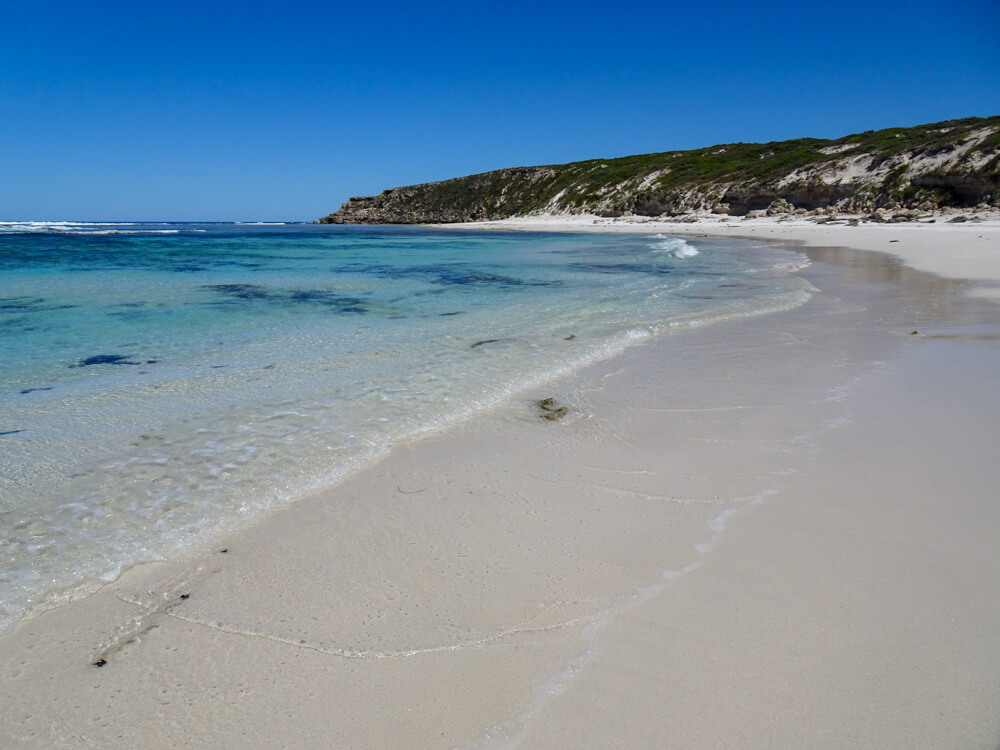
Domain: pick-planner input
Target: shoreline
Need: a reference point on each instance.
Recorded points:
(916, 243)
(746, 535)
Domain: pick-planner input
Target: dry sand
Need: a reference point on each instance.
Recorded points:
(768, 533)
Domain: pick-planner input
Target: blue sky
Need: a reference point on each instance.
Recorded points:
(281, 111)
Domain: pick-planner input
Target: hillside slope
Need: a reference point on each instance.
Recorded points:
(927, 167)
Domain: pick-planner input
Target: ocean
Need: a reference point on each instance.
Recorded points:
(164, 384)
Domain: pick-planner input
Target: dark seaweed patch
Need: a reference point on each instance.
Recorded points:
(461, 277)
(105, 359)
(328, 299)
(622, 268)
(447, 275)
(129, 314)
(28, 305)
(128, 310)
(19, 304)
(321, 297)
(240, 291)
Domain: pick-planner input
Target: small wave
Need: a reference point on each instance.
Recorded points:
(674, 247)
(81, 228)
(138, 231)
(57, 226)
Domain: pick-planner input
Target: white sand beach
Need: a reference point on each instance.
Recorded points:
(772, 532)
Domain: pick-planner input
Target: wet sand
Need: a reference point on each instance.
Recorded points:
(772, 532)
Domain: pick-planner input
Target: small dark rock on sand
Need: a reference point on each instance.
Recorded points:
(552, 409)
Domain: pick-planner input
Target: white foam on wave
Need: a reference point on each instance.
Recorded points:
(81, 227)
(138, 231)
(27, 226)
(675, 247)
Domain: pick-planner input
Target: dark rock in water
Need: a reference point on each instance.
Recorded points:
(484, 341)
(105, 359)
(43, 388)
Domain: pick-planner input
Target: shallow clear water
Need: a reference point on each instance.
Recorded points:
(163, 383)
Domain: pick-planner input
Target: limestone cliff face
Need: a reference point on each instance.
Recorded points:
(947, 164)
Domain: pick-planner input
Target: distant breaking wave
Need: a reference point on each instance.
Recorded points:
(84, 227)
(675, 247)
(124, 227)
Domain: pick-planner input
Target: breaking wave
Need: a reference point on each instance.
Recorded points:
(675, 247)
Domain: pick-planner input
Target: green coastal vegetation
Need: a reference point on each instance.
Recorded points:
(955, 163)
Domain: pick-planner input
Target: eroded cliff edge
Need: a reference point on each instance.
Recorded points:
(928, 167)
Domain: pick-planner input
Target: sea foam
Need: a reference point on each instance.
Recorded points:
(675, 247)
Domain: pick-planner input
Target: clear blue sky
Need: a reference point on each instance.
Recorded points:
(282, 110)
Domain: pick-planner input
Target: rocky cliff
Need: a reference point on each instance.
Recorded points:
(946, 164)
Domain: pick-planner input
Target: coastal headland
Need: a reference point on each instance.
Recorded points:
(769, 532)
(896, 174)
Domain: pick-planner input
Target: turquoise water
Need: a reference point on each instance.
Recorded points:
(162, 384)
